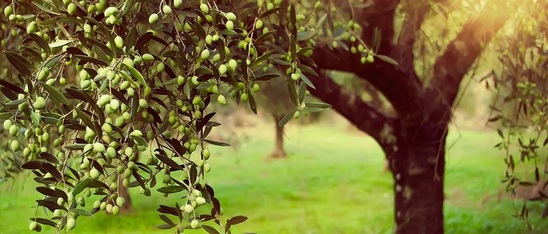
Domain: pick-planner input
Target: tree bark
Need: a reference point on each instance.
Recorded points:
(418, 189)
(278, 151)
(417, 163)
(124, 192)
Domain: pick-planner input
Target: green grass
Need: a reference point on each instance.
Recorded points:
(332, 182)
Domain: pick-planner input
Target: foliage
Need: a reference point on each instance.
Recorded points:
(523, 88)
(90, 85)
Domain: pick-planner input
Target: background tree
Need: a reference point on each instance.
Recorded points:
(275, 101)
(413, 139)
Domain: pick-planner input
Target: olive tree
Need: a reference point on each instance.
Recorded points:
(89, 85)
(522, 88)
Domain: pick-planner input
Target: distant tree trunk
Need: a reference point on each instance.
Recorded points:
(278, 151)
(124, 192)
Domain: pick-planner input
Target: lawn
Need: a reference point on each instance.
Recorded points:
(332, 182)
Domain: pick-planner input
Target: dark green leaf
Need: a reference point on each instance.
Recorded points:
(59, 43)
(317, 105)
(286, 118)
(11, 86)
(75, 146)
(302, 92)
(50, 205)
(168, 161)
(81, 186)
(387, 59)
(193, 174)
(166, 219)
(268, 76)
(22, 65)
(210, 229)
(139, 140)
(307, 81)
(40, 42)
(87, 59)
(44, 221)
(84, 117)
(48, 192)
(128, 4)
(165, 226)
(216, 143)
(55, 93)
(236, 220)
(32, 165)
(80, 212)
(171, 189)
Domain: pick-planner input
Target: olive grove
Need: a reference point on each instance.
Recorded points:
(89, 85)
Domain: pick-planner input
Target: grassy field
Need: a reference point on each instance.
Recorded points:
(332, 182)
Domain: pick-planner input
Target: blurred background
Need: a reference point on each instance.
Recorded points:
(327, 178)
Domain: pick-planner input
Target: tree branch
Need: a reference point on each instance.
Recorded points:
(403, 51)
(364, 116)
(402, 90)
(462, 52)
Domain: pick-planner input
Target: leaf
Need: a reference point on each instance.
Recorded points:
(32, 165)
(15, 103)
(86, 59)
(55, 93)
(139, 140)
(44, 221)
(11, 86)
(49, 157)
(302, 92)
(269, 12)
(165, 226)
(143, 39)
(75, 146)
(84, 117)
(193, 174)
(387, 59)
(135, 74)
(307, 81)
(47, 191)
(317, 105)
(34, 119)
(168, 161)
(80, 212)
(167, 210)
(52, 170)
(46, 9)
(217, 143)
(21, 64)
(304, 36)
(127, 7)
(210, 229)
(166, 219)
(50, 205)
(40, 42)
(268, 76)
(80, 186)
(59, 43)
(286, 118)
(170, 189)
(236, 220)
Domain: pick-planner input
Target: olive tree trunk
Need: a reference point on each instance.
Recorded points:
(278, 151)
